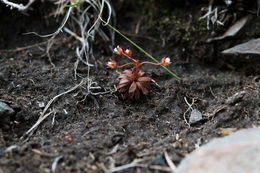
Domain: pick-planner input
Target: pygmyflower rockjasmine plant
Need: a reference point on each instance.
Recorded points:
(132, 82)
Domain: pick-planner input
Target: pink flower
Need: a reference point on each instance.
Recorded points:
(118, 50)
(165, 61)
(128, 52)
(112, 63)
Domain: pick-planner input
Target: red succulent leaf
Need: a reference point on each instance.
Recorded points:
(135, 95)
(141, 73)
(125, 74)
(133, 87)
(144, 79)
(124, 82)
(119, 86)
(143, 88)
(123, 89)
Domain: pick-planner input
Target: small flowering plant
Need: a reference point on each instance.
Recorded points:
(132, 82)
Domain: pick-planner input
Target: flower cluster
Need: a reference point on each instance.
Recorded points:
(132, 82)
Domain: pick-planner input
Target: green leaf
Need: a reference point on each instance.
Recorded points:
(73, 5)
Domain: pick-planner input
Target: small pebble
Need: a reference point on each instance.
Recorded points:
(5, 110)
(195, 116)
(235, 98)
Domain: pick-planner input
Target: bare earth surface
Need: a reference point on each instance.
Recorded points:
(95, 133)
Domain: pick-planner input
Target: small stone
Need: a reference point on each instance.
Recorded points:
(195, 116)
(235, 98)
(41, 104)
(5, 110)
(159, 160)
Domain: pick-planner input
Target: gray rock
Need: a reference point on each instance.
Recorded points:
(236, 153)
(6, 112)
(251, 47)
(235, 98)
(195, 116)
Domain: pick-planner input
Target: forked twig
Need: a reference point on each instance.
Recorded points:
(43, 116)
(189, 108)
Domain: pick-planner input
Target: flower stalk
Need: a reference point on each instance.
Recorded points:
(132, 82)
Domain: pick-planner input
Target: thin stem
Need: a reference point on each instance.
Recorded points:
(124, 65)
(152, 63)
(142, 50)
(129, 57)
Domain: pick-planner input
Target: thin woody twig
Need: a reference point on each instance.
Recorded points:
(169, 161)
(133, 165)
(20, 6)
(43, 116)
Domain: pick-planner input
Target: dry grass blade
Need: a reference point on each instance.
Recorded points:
(169, 161)
(55, 163)
(133, 165)
(41, 118)
(232, 30)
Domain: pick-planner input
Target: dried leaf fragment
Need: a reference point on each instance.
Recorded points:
(233, 30)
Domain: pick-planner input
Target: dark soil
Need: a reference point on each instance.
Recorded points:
(91, 133)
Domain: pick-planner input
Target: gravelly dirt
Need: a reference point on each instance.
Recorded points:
(107, 131)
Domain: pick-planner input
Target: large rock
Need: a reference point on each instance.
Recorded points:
(236, 153)
(251, 47)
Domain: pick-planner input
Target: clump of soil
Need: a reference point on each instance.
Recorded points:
(92, 133)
